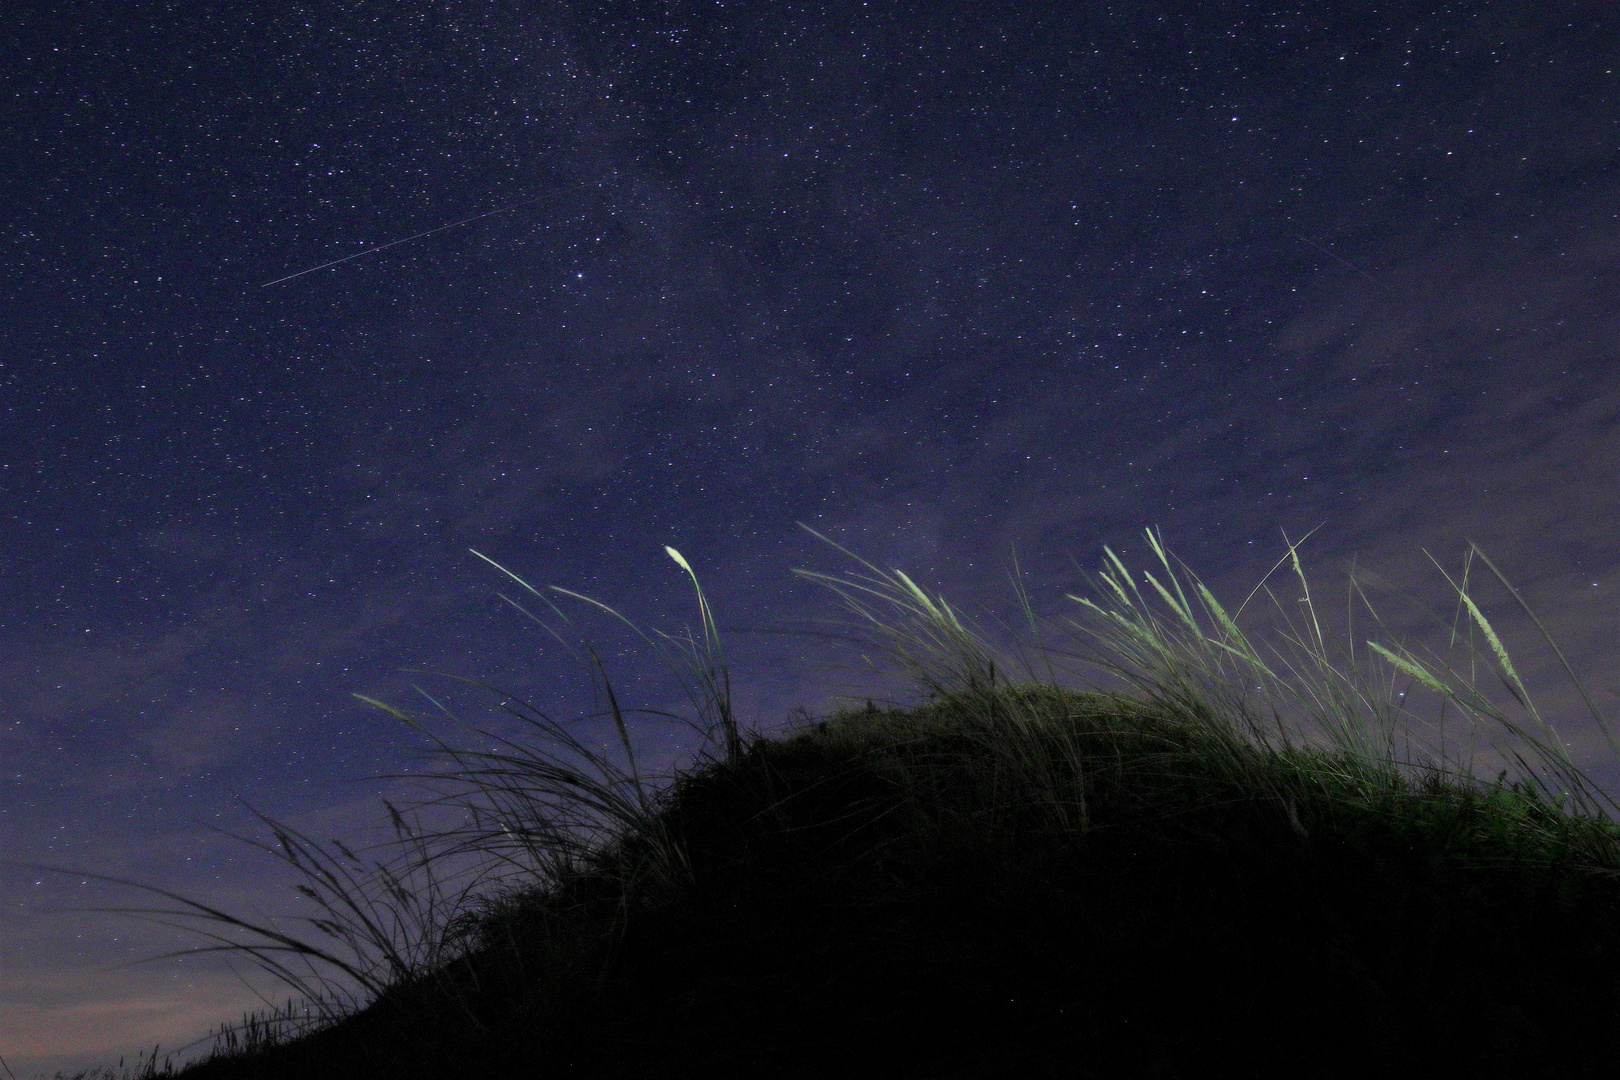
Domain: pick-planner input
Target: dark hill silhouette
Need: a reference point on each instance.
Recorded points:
(1022, 880)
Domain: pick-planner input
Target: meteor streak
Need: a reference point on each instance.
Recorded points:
(406, 240)
(1329, 254)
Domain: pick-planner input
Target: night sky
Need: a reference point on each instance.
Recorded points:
(942, 281)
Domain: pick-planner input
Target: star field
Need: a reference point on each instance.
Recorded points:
(939, 280)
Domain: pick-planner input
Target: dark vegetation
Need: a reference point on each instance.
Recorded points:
(1014, 880)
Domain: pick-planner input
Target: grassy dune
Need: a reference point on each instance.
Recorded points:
(1240, 865)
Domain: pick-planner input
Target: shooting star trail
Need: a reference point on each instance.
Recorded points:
(406, 240)
(1338, 259)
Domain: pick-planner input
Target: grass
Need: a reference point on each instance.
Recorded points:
(1226, 863)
